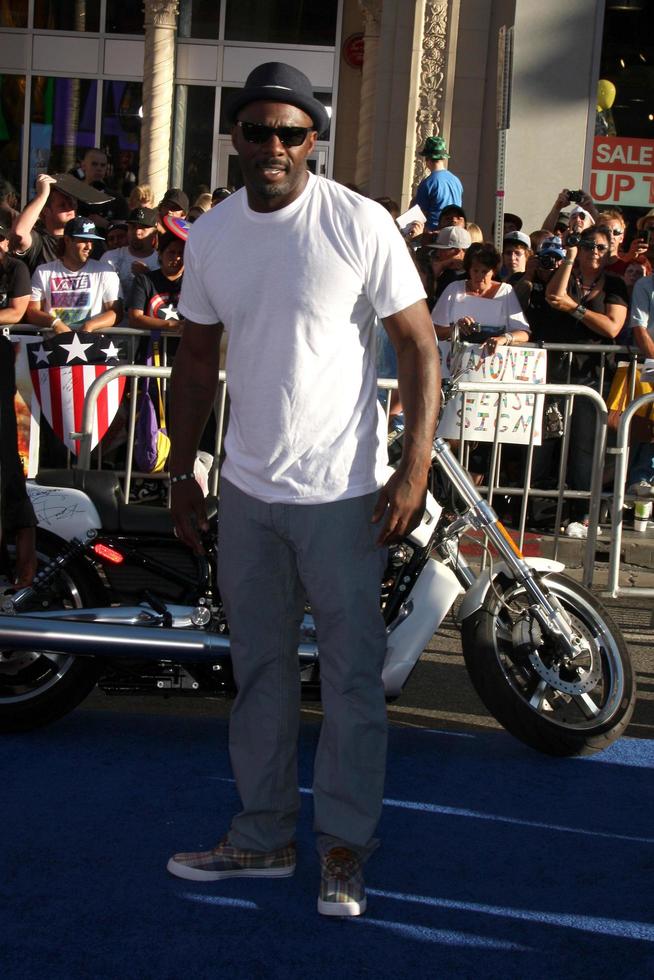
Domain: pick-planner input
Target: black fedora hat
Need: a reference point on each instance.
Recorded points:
(276, 82)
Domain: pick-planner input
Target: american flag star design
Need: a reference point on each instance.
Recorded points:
(62, 370)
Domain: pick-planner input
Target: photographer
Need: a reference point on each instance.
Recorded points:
(481, 299)
(530, 289)
(590, 306)
(564, 200)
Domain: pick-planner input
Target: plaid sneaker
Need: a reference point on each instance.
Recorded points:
(342, 891)
(225, 861)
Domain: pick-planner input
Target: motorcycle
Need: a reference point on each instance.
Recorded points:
(119, 602)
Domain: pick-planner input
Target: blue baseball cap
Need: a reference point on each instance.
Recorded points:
(552, 246)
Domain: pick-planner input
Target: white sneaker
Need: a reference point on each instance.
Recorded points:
(576, 529)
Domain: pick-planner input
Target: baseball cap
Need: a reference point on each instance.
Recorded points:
(147, 217)
(82, 228)
(517, 238)
(176, 199)
(582, 211)
(552, 246)
(513, 219)
(452, 237)
(435, 148)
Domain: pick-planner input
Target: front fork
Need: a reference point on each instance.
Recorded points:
(481, 516)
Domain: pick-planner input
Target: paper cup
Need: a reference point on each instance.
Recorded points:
(642, 513)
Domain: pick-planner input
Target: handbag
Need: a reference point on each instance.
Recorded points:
(151, 441)
(642, 423)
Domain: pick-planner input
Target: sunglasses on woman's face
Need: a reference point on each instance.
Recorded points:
(594, 247)
(288, 135)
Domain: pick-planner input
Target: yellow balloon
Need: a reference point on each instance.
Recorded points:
(605, 94)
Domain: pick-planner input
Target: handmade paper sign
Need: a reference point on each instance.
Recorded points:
(519, 416)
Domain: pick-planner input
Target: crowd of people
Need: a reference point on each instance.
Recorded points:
(80, 256)
(573, 281)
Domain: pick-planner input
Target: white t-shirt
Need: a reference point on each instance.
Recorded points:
(502, 310)
(122, 260)
(642, 304)
(74, 296)
(297, 291)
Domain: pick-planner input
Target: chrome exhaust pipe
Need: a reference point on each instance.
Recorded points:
(116, 640)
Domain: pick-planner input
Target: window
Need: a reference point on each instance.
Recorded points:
(124, 18)
(121, 133)
(199, 18)
(282, 21)
(13, 13)
(12, 107)
(194, 111)
(62, 123)
(67, 15)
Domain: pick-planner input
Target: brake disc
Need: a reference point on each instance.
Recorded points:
(529, 635)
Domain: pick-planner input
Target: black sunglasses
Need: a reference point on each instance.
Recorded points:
(594, 247)
(288, 135)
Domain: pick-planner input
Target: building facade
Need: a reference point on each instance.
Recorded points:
(150, 87)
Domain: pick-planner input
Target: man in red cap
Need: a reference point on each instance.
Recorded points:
(298, 269)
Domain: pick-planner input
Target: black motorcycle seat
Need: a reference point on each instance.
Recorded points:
(144, 519)
(103, 487)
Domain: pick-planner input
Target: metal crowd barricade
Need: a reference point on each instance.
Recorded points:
(136, 371)
(567, 391)
(621, 453)
(593, 495)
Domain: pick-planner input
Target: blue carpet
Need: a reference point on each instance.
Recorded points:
(496, 861)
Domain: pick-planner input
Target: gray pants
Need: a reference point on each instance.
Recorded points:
(271, 557)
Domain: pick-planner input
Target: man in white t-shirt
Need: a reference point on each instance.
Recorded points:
(140, 253)
(75, 292)
(296, 268)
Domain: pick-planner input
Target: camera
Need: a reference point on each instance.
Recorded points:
(573, 240)
(575, 197)
(481, 332)
(548, 262)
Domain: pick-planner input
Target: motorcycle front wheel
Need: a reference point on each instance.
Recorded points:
(557, 707)
(39, 686)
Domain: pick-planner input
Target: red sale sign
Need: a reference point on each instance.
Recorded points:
(623, 171)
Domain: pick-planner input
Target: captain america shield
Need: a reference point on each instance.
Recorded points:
(63, 369)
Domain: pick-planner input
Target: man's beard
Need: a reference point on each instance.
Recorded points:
(276, 189)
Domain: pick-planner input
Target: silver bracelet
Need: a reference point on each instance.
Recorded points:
(579, 313)
(180, 477)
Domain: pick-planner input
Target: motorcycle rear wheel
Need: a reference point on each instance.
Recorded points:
(37, 686)
(520, 684)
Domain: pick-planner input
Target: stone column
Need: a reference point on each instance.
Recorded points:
(436, 76)
(158, 83)
(372, 11)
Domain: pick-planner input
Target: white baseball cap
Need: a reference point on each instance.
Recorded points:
(452, 237)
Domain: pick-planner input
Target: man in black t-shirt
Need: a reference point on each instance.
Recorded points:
(94, 165)
(16, 514)
(40, 226)
(15, 284)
